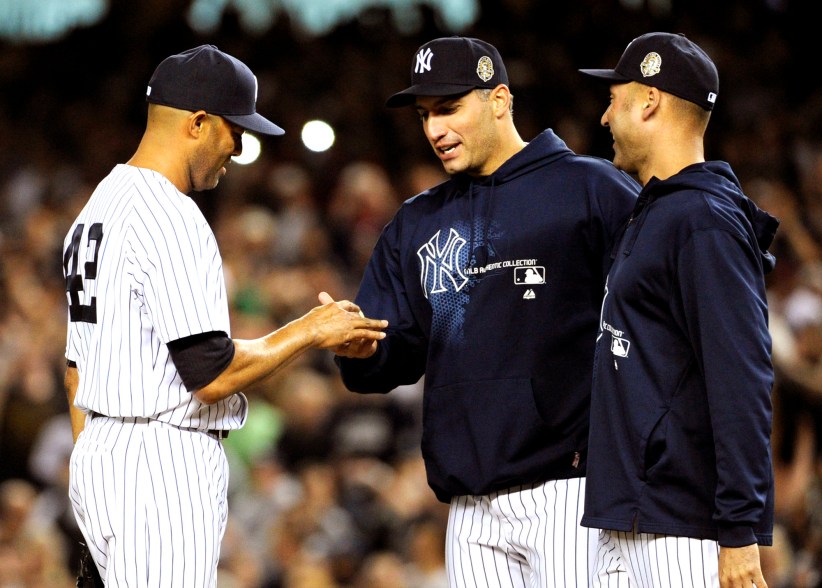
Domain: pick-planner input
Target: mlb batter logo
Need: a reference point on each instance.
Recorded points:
(619, 346)
(534, 274)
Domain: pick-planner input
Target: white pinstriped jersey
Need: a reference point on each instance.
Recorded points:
(142, 269)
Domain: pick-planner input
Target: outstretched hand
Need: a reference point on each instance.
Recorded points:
(359, 342)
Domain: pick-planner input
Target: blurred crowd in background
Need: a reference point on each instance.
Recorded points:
(328, 487)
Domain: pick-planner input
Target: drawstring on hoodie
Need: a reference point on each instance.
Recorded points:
(471, 256)
(486, 218)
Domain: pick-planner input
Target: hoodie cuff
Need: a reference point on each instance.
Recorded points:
(736, 536)
(361, 375)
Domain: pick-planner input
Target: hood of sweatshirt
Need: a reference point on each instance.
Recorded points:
(717, 178)
(545, 147)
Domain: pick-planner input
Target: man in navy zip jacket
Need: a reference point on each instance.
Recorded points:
(492, 283)
(680, 476)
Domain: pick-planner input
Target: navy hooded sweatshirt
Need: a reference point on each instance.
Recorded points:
(681, 405)
(492, 289)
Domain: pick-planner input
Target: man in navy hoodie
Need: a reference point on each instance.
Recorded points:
(680, 476)
(491, 283)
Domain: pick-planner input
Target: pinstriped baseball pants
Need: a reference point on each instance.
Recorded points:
(523, 537)
(655, 561)
(150, 500)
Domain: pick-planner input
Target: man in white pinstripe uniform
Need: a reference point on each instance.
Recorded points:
(154, 379)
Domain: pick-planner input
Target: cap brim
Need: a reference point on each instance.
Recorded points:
(609, 75)
(408, 96)
(255, 123)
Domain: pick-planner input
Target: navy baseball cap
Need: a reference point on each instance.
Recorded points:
(205, 78)
(670, 62)
(449, 66)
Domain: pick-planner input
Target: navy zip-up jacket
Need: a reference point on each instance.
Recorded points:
(681, 405)
(492, 290)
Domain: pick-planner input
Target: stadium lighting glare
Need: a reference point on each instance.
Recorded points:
(251, 150)
(318, 135)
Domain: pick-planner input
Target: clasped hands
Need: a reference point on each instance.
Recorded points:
(356, 347)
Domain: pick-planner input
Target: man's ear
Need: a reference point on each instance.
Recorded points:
(651, 101)
(196, 121)
(501, 95)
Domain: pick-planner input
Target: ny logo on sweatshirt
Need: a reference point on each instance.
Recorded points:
(440, 265)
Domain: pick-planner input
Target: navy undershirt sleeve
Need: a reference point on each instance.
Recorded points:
(201, 358)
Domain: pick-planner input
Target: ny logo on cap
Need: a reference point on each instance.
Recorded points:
(424, 60)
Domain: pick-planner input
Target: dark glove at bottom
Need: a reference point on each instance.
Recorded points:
(88, 576)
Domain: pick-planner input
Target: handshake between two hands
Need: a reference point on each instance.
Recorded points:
(359, 338)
